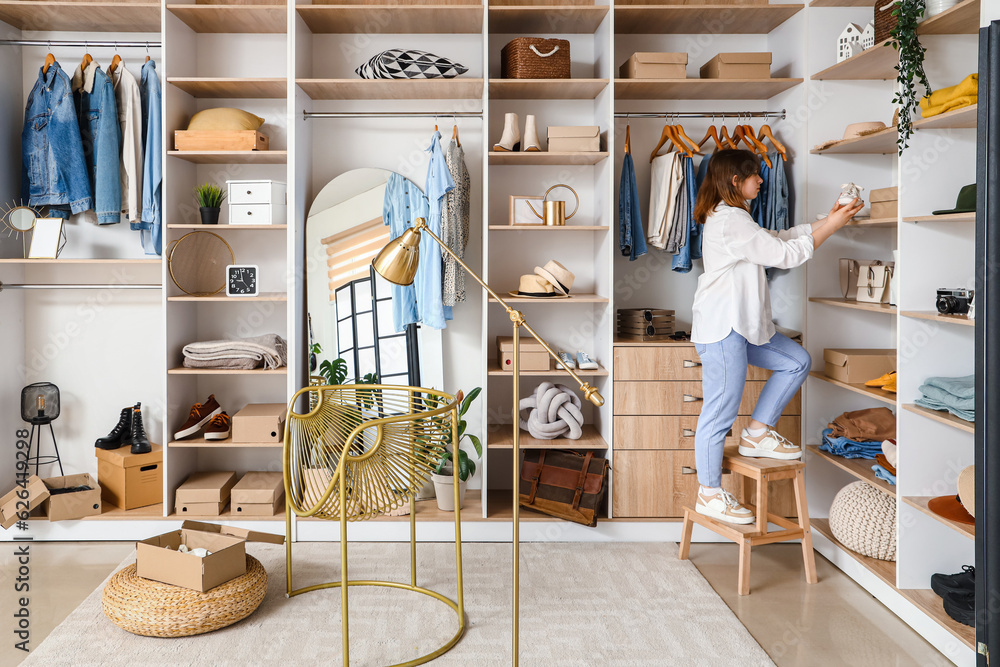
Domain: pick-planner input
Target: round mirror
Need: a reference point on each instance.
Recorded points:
(21, 219)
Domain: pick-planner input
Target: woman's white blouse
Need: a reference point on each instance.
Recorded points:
(732, 293)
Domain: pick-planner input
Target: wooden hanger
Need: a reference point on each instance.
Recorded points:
(726, 137)
(713, 134)
(669, 134)
(694, 148)
(114, 64)
(87, 58)
(454, 132)
(49, 59)
(750, 138)
(765, 133)
(147, 53)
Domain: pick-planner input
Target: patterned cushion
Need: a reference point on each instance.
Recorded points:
(409, 64)
(863, 519)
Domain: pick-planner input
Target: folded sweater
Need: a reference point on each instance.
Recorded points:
(954, 97)
(269, 351)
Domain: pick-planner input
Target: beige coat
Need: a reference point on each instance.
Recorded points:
(130, 119)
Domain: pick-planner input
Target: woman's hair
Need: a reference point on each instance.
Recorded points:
(718, 184)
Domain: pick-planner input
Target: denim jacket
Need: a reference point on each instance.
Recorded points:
(53, 169)
(97, 111)
(152, 169)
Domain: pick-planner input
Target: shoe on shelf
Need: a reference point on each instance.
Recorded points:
(201, 414)
(882, 381)
(961, 606)
(770, 445)
(584, 362)
(890, 386)
(218, 428)
(566, 361)
(511, 139)
(530, 144)
(724, 507)
(140, 443)
(121, 434)
(963, 582)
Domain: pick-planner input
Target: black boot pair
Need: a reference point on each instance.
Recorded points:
(128, 431)
(958, 593)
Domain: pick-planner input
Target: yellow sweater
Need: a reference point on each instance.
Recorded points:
(954, 97)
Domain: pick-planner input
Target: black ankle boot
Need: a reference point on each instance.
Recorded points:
(120, 435)
(140, 443)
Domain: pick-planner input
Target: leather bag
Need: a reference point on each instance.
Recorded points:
(564, 483)
(873, 282)
(854, 275)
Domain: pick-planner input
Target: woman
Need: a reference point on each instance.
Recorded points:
(731, 322)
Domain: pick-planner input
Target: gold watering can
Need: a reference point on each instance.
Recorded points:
(554, 211)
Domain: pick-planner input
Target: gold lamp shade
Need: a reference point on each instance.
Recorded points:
(397, 261)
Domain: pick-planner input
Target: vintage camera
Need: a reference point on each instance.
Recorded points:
(954, 301)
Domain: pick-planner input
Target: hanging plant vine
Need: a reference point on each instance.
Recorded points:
(905, 40)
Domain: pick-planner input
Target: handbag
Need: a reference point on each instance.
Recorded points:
(563, 483)
(873, 282)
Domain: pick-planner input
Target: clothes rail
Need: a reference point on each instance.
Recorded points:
(702, 114)
(80, 42)
(307, 115)
(6, 286)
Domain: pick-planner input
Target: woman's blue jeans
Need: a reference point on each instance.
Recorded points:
(723, 374)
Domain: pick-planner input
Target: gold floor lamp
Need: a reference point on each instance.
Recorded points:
(397, 262)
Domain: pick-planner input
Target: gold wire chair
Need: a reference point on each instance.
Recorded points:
(362, 451)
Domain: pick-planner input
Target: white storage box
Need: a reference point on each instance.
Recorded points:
(257, 203)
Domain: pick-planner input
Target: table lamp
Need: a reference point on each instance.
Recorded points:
(40, 407)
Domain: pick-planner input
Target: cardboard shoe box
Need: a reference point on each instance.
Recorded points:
(130, 480)
(204, 493)
(858, 365)
(738, 66)
(259, 494)
(533, 355)
(574, 139)
(885, 202)
(655, 65)
(13, 503)
(76, 505)
(260, 422)
(157, 558)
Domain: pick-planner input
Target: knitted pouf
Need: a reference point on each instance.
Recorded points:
(863, 519)
(553, 412)
(152, 609)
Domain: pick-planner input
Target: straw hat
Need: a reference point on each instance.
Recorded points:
(536, 287)
(967, 489)
(861, 129)
(557, 274)
(957, 507)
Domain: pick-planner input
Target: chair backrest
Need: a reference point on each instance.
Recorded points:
(382, 441)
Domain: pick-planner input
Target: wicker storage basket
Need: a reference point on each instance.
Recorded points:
(535, 58)
(884, 20)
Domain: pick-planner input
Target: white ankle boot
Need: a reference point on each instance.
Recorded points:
(530, 143)
(511, 139)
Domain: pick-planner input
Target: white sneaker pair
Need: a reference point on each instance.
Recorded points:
(583, 361)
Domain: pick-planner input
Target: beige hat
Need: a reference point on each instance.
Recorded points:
(861, 129)
(889, 449)
(557, 274)
(536, 287)
(967, 489)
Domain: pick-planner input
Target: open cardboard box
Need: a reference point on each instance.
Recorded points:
(67, 506)
(157, 558)
(12, 503)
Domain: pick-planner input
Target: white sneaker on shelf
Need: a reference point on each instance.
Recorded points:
(566, 361)
(724, 507)
(584, 362)
(771, 445)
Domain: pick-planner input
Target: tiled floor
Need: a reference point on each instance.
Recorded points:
(833, 622)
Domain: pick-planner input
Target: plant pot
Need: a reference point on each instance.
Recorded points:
(210, 216)
(445, 492)
(426, 492)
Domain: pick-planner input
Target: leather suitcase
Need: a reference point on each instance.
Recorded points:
(563, 483)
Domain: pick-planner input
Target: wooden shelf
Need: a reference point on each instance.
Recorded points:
(575, 298)
(878, 143)
(501, 436)
(883, 569)
(701, 89)
(458, 88)
(217, 298)
(855, 305)
(82, 16)
(550, 228)
(860, 468)
(920, 503)
(494, 369)
(393, 18)
(547, 158)
(221, 444)
(546, 89)
(873, 222)
(938, 317)
(198, 225)
(68, 261)
(948, 217)
(547, 19)
(224, 87)
(966, 117)
(228, 515)
(232, 18)
(942, 417)
(694, 19)
(225, 371)
(232, 157)
(870, 392)
(962, 19)
(877, 62)
(840, 3)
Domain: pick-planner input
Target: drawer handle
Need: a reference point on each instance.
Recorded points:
(691, 364)
(687, 433)
(249, 212)
(249, 192)
(688, 398)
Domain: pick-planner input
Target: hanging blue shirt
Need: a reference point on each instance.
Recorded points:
(403, 203)
(776, 216)
(430, 300)
(758, 206)
(149, 226)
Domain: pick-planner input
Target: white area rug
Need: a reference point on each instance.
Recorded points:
(582, 604)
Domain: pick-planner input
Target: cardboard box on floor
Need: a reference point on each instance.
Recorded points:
(260, 422)
(858, 365)
(157, 558)
(13, 503)
(130, 480)
(259, 494)
(76, 505)
(204, 493)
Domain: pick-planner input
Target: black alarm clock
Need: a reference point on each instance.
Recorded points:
(241, 280)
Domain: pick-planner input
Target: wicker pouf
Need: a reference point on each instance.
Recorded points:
(863, 519)
(149, 608)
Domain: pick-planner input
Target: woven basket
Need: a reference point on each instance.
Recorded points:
(535, 58)
(884, 21)
(149, 608)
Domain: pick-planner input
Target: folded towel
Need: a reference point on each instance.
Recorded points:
(227, 363)
(950, 105)
(962, 387)
(941, 396)
(269, 350)
(967, 415)
(952, 97)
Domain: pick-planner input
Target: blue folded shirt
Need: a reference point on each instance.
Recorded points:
(962, 387)
(849, 449)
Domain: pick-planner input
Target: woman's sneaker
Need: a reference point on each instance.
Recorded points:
(770, 445)
(724, 507)
(566, 361)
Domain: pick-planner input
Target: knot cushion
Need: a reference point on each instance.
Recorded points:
(863, 519)
(553, 412)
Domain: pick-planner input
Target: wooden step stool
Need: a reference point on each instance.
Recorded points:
(761, 470)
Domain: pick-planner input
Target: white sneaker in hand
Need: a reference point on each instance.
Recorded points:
(770, 445)
(724, 507)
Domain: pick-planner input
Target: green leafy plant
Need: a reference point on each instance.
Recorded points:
(209, 195)
(466, 466)
(910, 69)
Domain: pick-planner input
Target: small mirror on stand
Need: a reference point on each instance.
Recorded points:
(20, 220)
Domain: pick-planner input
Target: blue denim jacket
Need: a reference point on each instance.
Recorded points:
(152, 168)
(97, 112)
(53, 169)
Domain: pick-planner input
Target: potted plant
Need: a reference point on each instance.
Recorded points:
(210, 198)
(443, 477)
(910, 70)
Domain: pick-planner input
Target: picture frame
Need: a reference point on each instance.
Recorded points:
(45, 238)
(520, 213)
